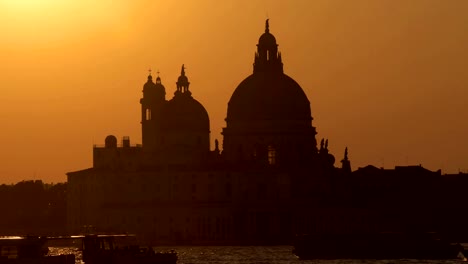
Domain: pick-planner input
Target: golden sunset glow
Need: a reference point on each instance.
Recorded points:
(36, 6)
(388, 78)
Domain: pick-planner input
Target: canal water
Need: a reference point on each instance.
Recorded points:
(252, 255)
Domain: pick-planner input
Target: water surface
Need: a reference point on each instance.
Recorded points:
(253, 255)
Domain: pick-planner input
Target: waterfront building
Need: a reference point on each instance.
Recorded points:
(269, 181)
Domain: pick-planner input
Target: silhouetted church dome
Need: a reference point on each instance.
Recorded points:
(267, 96)
(183, 112)
(110, 141)
(182, 78)
(267, 39)
(149, 84)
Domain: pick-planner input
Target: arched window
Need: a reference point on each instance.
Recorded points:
(271, 155)
(148, 114)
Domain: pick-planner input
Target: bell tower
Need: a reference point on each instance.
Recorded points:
(154, 98)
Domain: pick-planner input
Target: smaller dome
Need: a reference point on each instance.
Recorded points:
(149, 84)
(267, 39)
(110, 141)
(182, 79)
(183, 113)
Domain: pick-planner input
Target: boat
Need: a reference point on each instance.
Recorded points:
(96, 249)
(29, 250)
(103, 249)
(375, 246)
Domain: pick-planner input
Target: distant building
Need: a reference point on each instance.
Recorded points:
(269, 182)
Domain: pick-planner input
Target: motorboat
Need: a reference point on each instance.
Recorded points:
(103, 249)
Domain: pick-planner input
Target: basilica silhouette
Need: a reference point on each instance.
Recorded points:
(269, 182)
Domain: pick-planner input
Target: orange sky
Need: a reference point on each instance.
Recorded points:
(387, 78)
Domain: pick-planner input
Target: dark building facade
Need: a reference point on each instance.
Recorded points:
(269, 182)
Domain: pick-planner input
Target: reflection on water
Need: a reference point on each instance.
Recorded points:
(253, 255)
(66, 250)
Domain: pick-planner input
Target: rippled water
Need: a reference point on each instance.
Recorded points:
(254, 255)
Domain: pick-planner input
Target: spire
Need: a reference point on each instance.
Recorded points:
(267, 26)
(346, 164)
(323, 146)
(158, 79)
(150, 78)
(183, 83)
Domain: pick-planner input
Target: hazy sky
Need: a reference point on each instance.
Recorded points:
(387, 78)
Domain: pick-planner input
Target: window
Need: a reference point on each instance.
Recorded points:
(271, 155)
(148, 114)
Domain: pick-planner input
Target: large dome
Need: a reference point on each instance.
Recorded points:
(268, 94)
(183, 113)
(263, 96)
(268, 116)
